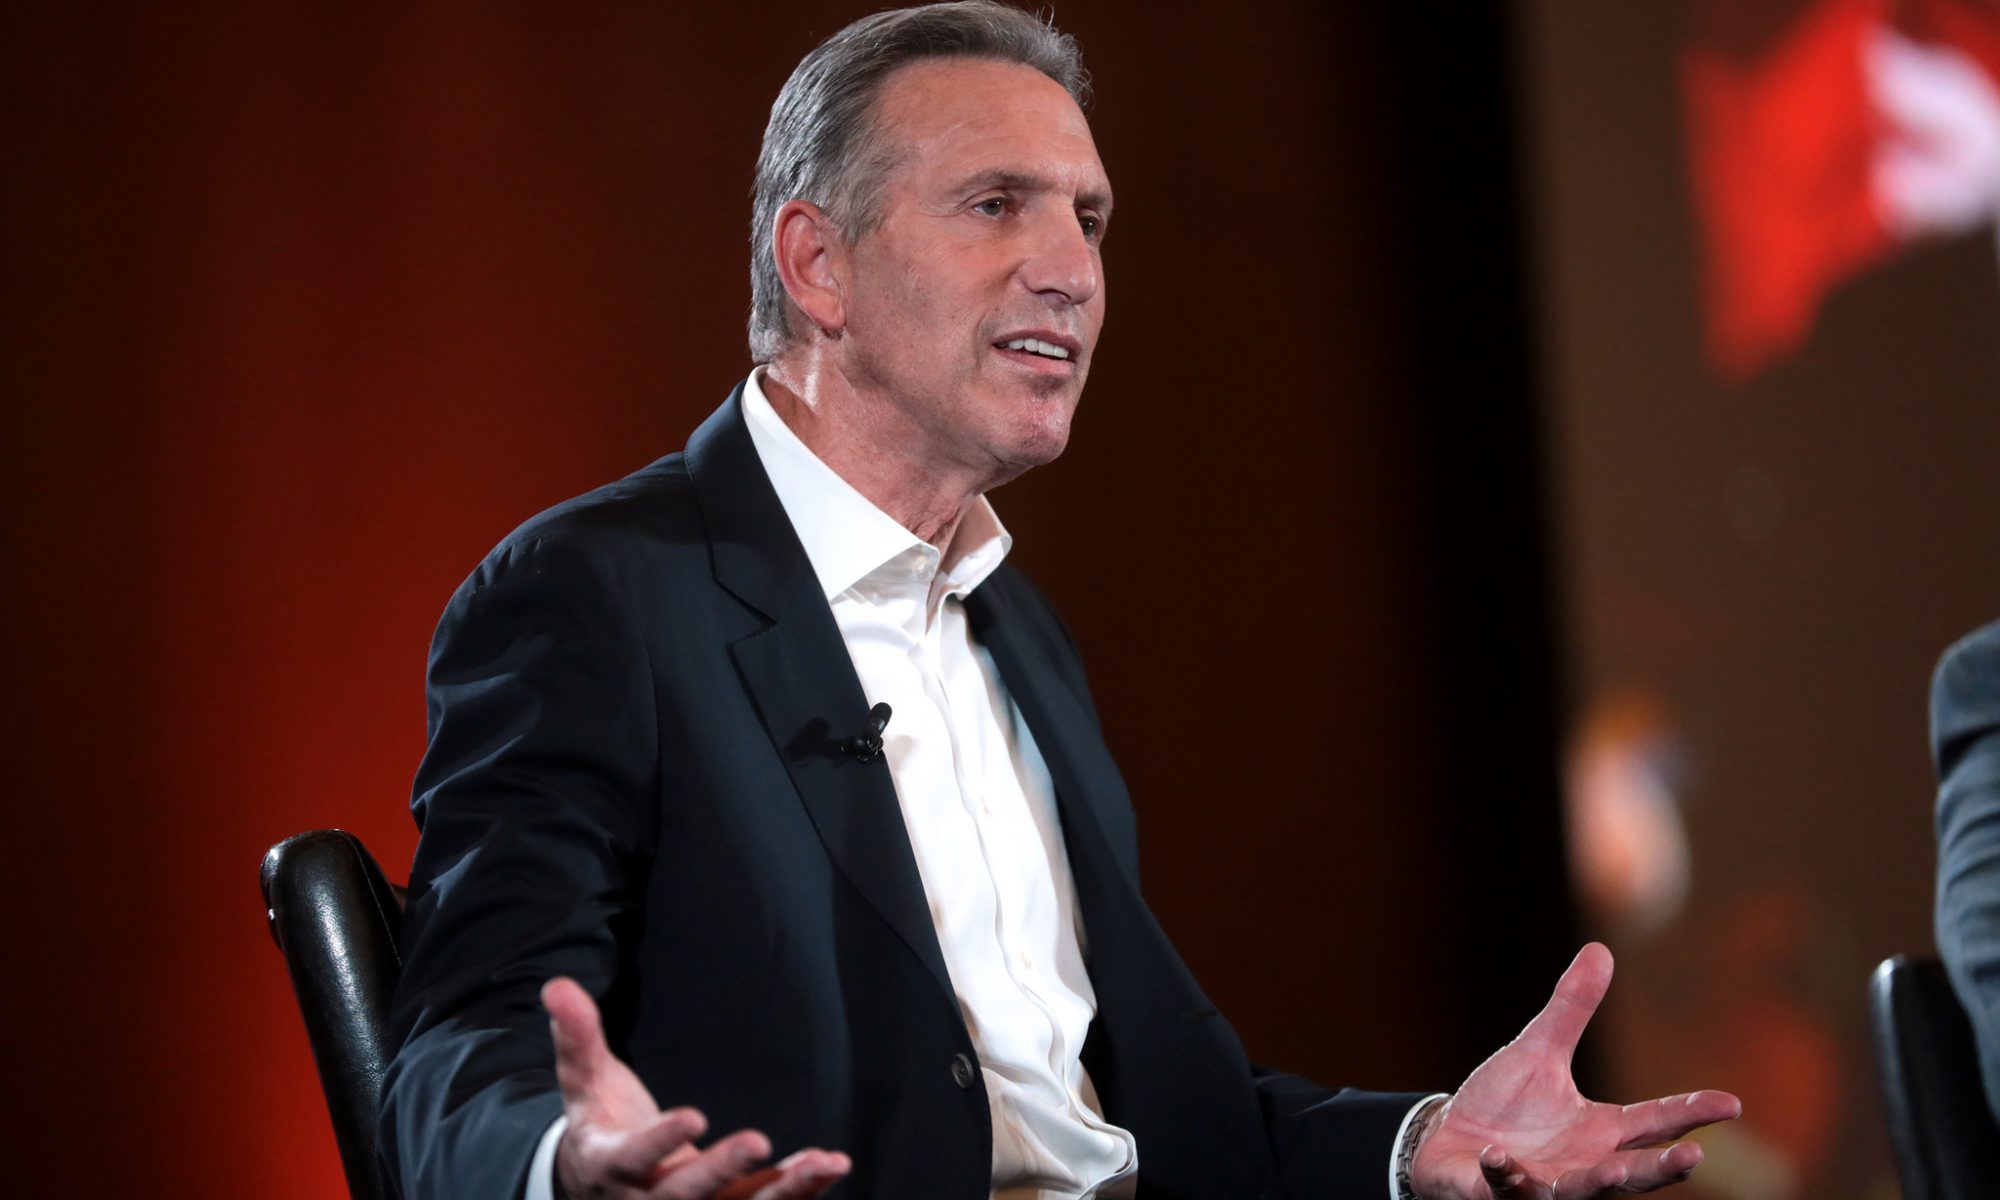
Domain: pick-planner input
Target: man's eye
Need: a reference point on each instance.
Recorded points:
(995, 207)
(1092, 226)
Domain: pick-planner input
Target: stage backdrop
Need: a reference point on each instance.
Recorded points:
(1772, 348)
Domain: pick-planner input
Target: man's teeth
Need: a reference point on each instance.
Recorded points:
(1033, 346)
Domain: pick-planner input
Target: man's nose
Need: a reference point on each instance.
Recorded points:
(1062, 265)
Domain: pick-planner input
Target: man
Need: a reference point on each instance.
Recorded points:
(765, 752)
(1965, 738)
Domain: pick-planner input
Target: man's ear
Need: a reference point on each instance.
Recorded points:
(812, 263)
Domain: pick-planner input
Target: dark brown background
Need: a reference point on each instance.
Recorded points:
(1774, 564)
(306, 306)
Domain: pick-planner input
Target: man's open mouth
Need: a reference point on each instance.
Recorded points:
(1036, 346)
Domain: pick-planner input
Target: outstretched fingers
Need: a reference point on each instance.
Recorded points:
(803, 1175)
(1507, 1179)
(703, 1175)
(619, 1143)
(1630, 1171)
(1560, 1024)
(638, 1154)
(1670, 1117)
(618, 1139)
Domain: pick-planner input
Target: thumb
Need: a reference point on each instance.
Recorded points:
(581, 1052)
(1559, 1026)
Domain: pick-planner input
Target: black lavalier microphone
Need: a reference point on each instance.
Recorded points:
(864, 747)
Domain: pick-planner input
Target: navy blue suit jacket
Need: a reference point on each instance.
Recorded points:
(634, 778)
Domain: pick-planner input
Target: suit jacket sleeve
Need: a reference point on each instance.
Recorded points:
(533, 802)
(1331, 1142)
(1965, 733)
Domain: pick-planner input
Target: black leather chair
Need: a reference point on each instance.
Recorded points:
(1947, 1145)
(338, 921)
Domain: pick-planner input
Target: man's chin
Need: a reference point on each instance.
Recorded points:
(1037, 445)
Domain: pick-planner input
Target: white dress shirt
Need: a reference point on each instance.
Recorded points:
(979, 808)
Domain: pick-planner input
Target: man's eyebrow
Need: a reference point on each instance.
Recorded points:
(1021, 181)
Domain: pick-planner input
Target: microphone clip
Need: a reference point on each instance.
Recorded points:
(866, 747)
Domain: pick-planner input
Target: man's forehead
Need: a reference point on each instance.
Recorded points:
(975, 117)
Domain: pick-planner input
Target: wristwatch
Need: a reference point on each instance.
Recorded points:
(1413, 1137)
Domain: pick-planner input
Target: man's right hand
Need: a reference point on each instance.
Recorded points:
(619, 1144)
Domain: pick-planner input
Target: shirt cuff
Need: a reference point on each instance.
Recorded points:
(542, 1172)
(1396, 1147)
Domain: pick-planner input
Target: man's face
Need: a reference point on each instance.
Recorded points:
(973, 305)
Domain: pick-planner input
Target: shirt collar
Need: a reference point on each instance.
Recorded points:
(847, 538)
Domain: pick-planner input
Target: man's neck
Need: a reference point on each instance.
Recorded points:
(862, 444)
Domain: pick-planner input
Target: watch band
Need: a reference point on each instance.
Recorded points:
(1413, 1137)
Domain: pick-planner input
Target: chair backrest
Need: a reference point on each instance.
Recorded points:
(338, 923)
(1947, 1145)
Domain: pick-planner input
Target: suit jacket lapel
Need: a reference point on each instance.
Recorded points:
(803, 683)
(1146, 999)
(1088, 793)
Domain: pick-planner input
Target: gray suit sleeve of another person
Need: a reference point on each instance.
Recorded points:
(1965, 738)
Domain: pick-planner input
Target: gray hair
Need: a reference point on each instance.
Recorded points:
(822, 144)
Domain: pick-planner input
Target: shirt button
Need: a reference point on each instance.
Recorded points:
(962, 1072)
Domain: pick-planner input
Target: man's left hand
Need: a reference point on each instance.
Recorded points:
(1519, 1129)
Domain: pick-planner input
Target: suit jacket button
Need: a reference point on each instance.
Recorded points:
(962, 1072)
